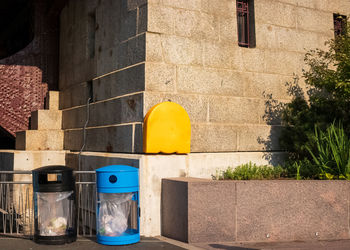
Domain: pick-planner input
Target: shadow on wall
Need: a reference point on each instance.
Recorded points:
(273, 114)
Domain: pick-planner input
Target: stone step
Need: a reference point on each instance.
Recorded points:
(29, 160)
(52, 100)
(46, 119)
(39, 140)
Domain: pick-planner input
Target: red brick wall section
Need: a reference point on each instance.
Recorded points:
(21, 92)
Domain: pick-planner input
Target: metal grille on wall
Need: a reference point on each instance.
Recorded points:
(16, 204)
(242, 8)
(339, 24)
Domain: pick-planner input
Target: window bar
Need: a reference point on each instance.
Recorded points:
(243, 23)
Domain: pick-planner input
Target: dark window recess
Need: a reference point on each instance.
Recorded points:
(339, 24)
(245, 23)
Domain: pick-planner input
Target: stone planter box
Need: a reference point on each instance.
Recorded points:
(200, 210)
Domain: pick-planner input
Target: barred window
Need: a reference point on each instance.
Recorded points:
(245, 23)
(339, 24)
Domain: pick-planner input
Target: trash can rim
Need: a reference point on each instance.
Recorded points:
(116, 168)
(53, 169)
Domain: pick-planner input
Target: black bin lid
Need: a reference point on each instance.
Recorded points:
(55, 178)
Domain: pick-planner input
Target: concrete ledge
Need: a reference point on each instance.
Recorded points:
(200, 210)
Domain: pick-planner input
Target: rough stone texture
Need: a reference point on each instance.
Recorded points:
(196, 106)
(107, 67)
(105, 139)
(40, 140)
(22, 92)
(258, 211)
(205, 208)
(186, 52)
(191, 214)
(117, 111)
(174, 211)
(154, 168)
(199, 40)
(46, 119)
(52, 100)
(205, 138)
(123, 82)
(292, 210)
(28, 160)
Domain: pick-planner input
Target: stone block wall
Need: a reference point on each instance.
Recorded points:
(129, 55)
(101, 58)
(192, 51)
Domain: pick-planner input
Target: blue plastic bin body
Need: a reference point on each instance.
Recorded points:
(118, 179)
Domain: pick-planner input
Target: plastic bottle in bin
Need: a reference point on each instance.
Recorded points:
(54, 205)
(117, 215)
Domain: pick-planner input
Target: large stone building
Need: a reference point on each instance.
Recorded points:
(219, 59)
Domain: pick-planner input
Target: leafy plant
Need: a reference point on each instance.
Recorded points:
(251, 171)
(327, 78)
(301, 169)
(332, 154)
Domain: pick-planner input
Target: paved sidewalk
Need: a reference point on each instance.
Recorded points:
(85, 244)
(162, 243)
(300, 245)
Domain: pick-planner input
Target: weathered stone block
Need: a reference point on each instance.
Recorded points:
(228, 30)
(46, 119)
(315, 21)
(39, 140)
(161, 19)
(188, 208)
(290, 61)
(128, 24)
(52, 100)
(218, 56)
(138, 139)
(123, 82)
(225, 8)
(234, 110)
(195, 106)
(83, 72)
(201, 26)
(258, 138)
(152, 170)
(76, 95)
(154, 50)
(136, 50)
(183, 4)
(213, 138)
(125, 54)
(121, 110)
(272, 12)
(105, 139)
(133, 4)
(199, 80)
(254, 211)
(254, 60)
(259, 85)
(142, 19)
(174, 210)
(291, 210)
(160, 77)
(180, 50)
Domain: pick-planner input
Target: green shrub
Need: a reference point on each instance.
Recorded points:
(251, 171)
(327, 100)
(332, 153)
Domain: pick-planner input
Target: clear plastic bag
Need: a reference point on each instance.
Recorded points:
(114, 210)
(55, 212)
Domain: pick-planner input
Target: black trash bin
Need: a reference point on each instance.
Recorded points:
(54, 205)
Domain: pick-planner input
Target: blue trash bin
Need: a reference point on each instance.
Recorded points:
(117, 208)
